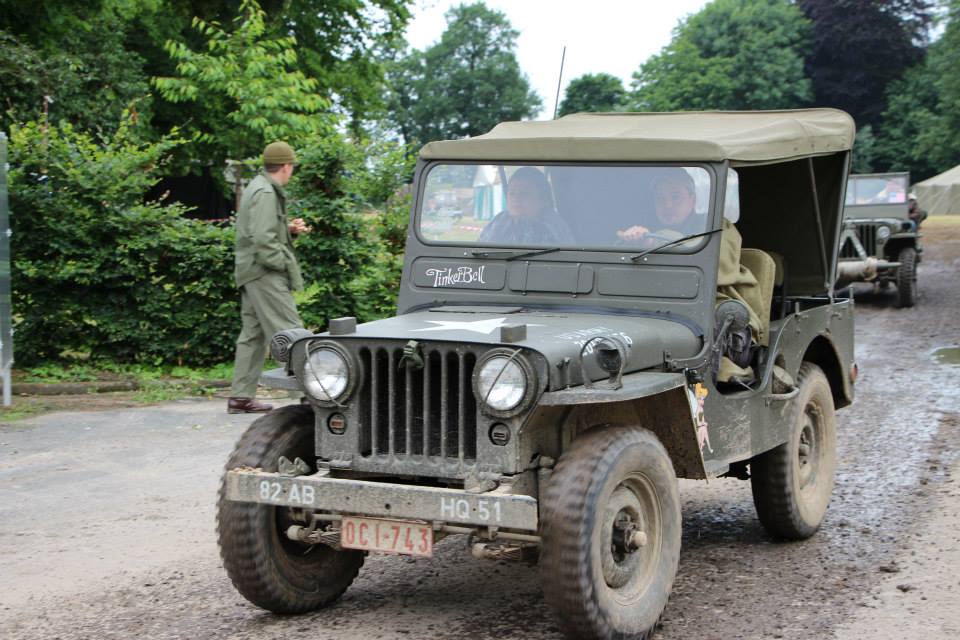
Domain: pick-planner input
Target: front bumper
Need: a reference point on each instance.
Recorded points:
(383, 499)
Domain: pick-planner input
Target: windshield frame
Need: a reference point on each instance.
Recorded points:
(712, 215)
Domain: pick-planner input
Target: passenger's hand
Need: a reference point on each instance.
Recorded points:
(297, 226)
(633, 234)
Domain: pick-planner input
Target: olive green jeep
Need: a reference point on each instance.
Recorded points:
(880, 244)
(558, 360)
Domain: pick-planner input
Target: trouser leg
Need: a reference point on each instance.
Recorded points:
(250, 351)
(266, 307)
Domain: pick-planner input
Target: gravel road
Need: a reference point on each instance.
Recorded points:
(107, 523)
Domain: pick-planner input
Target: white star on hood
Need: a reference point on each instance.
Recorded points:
(477, 326)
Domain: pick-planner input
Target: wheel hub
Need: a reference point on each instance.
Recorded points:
(808, 449)
(628, 537)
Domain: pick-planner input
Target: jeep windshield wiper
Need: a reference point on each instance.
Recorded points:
(513, 254)
(637, 257)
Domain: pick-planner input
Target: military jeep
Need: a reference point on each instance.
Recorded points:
(880, 244)
(542, 397)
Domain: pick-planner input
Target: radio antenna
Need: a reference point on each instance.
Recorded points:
(556, 102)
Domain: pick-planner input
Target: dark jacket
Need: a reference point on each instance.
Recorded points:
(547, 228)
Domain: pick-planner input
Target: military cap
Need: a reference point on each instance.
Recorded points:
(279, 153)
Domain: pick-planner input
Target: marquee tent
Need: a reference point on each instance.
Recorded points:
(940, 194)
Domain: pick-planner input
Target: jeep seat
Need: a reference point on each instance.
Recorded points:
(765, 269)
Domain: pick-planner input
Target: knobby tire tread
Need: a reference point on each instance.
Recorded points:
(567, 585)
(907, 278)
(245, 553)
(771, 477)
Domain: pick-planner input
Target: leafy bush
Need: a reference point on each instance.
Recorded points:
(351, 261)
(99, 273)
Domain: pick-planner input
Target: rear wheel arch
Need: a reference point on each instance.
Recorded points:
(822, 353)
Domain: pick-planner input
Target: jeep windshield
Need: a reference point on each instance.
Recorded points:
(623, 208)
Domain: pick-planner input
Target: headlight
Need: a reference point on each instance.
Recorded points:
(326, 374)
(501, 383)
(883, 233)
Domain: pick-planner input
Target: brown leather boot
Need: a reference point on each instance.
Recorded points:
(247, 405)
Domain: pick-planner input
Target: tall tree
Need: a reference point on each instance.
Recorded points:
(859, 47)
(249, 86)
(55, 64)
(464, 84)
(93, 56)
(593, 92)
(921, 126)
(733, 54)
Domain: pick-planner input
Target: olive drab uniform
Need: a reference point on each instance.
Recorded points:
(266, 272)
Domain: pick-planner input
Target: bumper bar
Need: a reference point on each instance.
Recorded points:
(382, 499)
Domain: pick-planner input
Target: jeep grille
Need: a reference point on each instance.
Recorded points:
(427, 412)
(867, 234)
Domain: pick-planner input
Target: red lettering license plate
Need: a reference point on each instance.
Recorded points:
(388, 536)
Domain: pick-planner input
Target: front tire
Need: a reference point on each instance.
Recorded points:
(267, 568)
(907, 277)
(792, 483)
(611, 526)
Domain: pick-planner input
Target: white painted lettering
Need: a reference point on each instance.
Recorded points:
(447, 508)
(452, 276)
(308, 494)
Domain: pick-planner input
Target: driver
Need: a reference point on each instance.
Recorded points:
(675, 203)
(530, 218)
(675, 199)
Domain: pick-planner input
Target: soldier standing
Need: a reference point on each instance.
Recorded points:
(915, 213)
(266, 271)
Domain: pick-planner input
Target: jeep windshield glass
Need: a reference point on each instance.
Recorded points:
(874, 189)
(555, 207)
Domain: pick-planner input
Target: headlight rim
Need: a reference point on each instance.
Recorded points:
(532, 383)
(883, 233)
(352, 372)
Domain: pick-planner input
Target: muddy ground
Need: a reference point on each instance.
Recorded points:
(107, 525)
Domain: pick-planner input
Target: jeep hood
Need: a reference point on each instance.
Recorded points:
(555, 335)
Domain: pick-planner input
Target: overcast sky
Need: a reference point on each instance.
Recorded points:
(601, 36)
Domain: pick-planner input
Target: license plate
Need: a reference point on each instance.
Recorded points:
(388, 536)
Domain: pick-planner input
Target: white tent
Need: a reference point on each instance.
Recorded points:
(940, 194)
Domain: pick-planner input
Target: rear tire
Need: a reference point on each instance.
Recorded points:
(266, 567)
(907, 277)
(611, 526)
(792, 483)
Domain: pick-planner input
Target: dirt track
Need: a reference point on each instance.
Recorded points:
(106, 523)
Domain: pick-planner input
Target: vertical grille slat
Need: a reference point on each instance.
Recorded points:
(464, 386)
(868, 238)
(374, 395)
(444, 403)
(425, 408)
(429, 413)
(408, 411)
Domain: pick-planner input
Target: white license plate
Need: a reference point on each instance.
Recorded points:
(388, 536)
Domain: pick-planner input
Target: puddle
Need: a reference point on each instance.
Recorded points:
(947, 355)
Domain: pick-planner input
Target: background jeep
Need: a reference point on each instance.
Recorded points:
(543, 397)
(880, 243)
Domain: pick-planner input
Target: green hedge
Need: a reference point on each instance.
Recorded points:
(99, 274)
